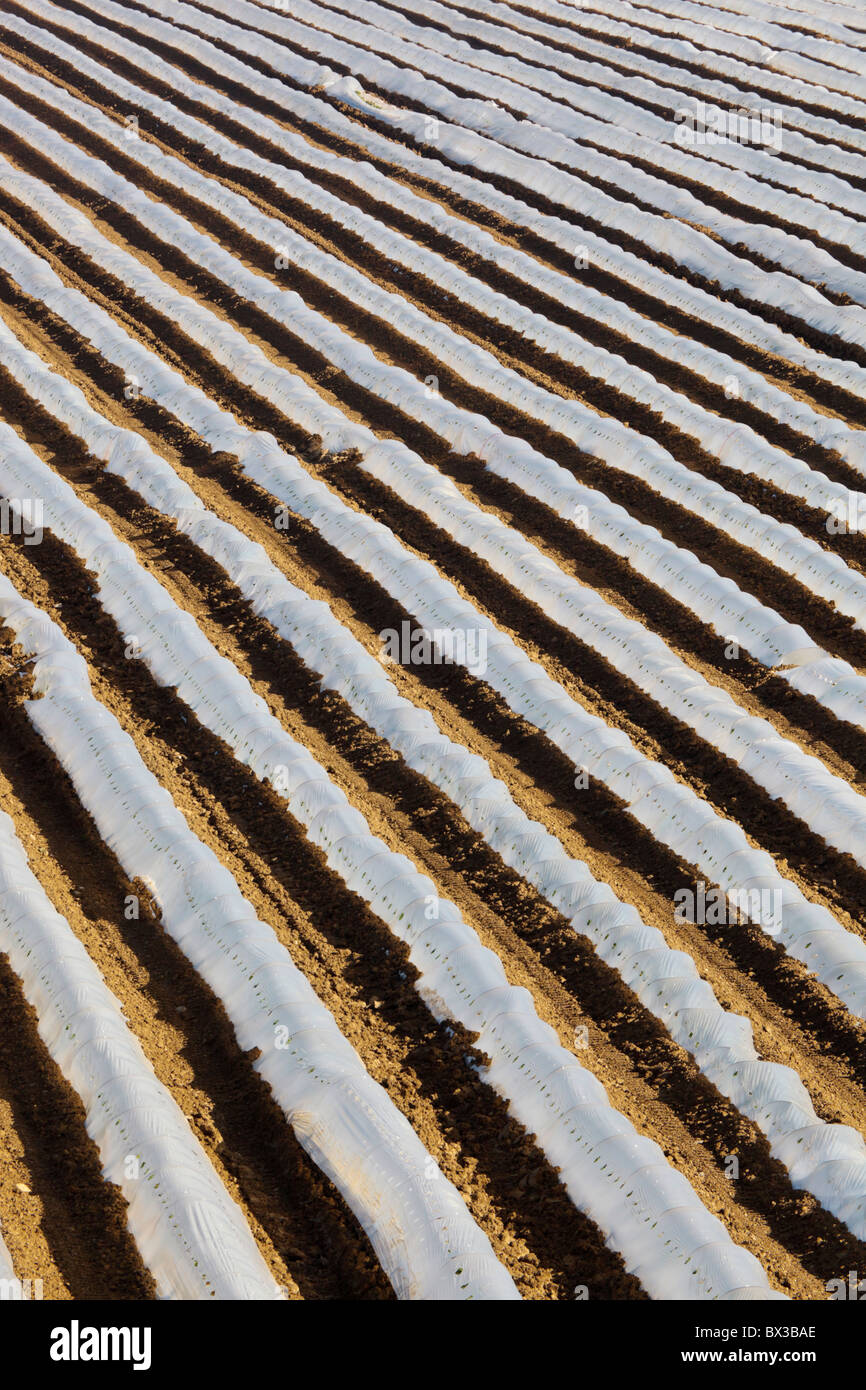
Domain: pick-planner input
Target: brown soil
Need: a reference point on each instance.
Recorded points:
(60, 1219)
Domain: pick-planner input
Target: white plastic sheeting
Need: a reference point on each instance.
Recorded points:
(762, 50)
(763, 30)
(190, 1233)
(674, 44)
(661, 85)
(622, 1180)
(837, 20)
(551, 131)
(820, 570)
(673, 814)
(824, 802)
(639, 273)
(693, 247)
(627, 119)
(717, 601)
(827, 17)
(415, 1219)
(717, 847)
(720, 1041)
(736, 444)
(774, 26)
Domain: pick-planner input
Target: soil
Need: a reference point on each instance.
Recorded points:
(61, 1221)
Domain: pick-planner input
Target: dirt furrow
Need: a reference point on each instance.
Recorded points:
(511, 347)
(62, 1222)
(360, 971)
(665, 104)
(654, 1056)
(581, 24)
(304, 1230)
(785, 374)
(728, 789)
(405, 353)
(722, 202)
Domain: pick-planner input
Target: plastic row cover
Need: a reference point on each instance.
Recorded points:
(837, 12)
(838, 824)
(190, 1233)
(801, 918)
(736, 444)
(750, 76)
(666, 981)
(616, 126)
(839, 821)
(822, 800)
(716, 601)
(416, 1221)
(795, 119)
(718, 847)
(708, 257)
(672, 812)
(820, 570)
(547, 147)
(820, 60)
(707, 362)
(773, 28)
(823, 572)
(768, 54)
(520, 35)
(828, 17)
(646, 1210)
(768, 26)
(624, 265)
(299, 402)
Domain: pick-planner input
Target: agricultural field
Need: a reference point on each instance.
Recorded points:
(432, 650)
